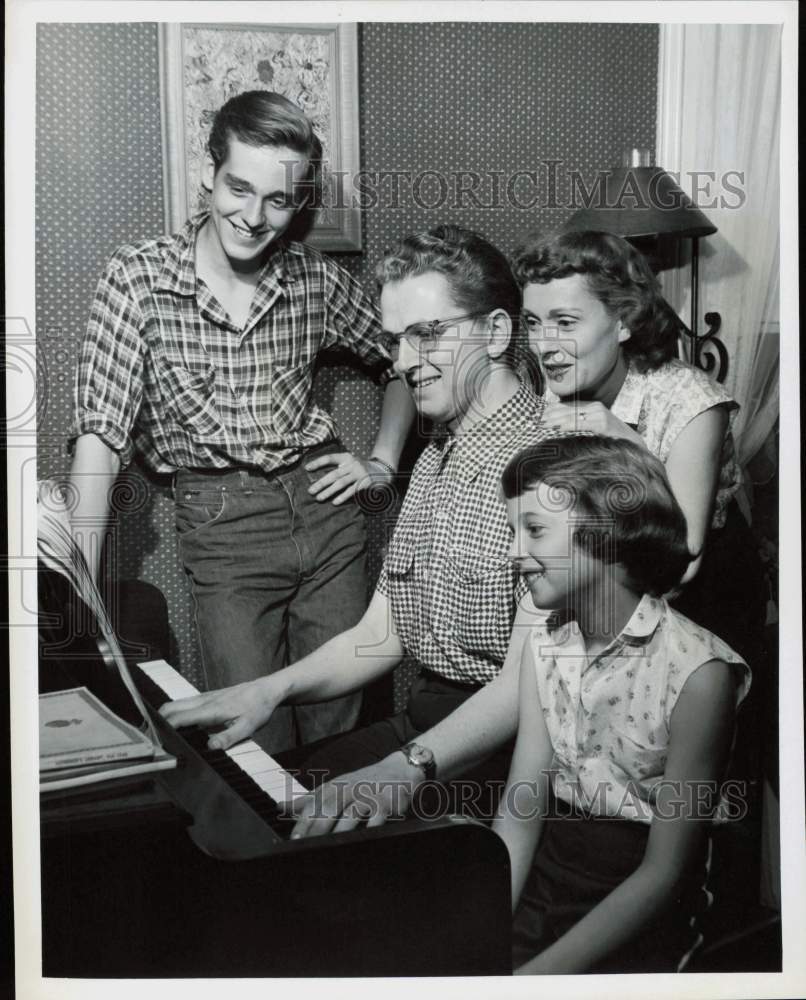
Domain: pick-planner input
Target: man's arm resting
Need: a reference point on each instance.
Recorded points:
(397, 416)
(347, 472)
(344, 664)
(93, 472)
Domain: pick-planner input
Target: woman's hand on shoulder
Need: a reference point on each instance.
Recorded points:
(590, 416)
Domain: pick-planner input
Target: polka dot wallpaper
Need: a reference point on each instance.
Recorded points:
(485, 125)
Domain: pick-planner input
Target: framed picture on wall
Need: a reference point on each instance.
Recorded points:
(313, 65)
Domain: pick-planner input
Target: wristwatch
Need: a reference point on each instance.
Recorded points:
(421, 757)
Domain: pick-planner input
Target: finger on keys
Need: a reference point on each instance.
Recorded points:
(205, 713)
(237, 730)
(378, 818)
(175, 710)
(350, 819)
(318, 814)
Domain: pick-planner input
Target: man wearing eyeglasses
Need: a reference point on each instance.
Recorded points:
(447, 595)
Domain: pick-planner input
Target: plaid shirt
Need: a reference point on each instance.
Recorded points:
(447, 574)
(164, 370)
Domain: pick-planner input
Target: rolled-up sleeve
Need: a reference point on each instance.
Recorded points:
(109, 377)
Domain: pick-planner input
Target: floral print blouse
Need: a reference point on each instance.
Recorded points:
(660, 403)
(608, 716)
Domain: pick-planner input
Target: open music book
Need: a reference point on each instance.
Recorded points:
(80, 740)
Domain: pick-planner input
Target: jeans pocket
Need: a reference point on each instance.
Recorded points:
(196, 509)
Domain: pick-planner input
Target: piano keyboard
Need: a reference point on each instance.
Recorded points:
(249, 759)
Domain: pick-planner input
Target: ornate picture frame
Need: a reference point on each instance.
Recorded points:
(314, 65)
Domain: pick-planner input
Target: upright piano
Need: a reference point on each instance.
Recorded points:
(190, 873)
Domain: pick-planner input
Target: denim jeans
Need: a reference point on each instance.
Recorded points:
(274, 574)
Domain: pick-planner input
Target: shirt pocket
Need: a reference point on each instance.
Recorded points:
(400, 557)
(640, 754)
(484, 605)
(189, 397)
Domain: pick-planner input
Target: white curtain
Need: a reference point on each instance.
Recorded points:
(719, 93)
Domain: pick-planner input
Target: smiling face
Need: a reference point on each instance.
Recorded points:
(446, 379)
(577, 339)
(559, 574)
(254, 197)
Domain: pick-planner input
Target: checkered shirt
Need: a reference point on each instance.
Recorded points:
(447, 574)
(164, 370)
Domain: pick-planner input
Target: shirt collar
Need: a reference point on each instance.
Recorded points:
(642, 625)
(178, 272)
(644, 621)
(473, 447)
(627, 404)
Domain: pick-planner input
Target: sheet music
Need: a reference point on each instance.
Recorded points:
(59, 552)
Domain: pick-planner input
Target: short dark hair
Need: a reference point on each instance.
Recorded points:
(617, 274)
(264, 118)
(478, 273)
(627, 511)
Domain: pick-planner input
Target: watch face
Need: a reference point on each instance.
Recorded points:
(421, 756)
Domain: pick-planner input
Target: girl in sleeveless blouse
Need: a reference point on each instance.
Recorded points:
(626, 716)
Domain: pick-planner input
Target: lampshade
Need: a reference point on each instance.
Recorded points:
(640, 201)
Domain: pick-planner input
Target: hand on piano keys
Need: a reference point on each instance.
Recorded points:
(247, 756)
(240, 709)
(371, 795)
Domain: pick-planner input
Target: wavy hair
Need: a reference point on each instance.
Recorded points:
(263, 118)
(618, 275)
(479, 275)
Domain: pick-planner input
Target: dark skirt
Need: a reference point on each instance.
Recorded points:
(580, 860)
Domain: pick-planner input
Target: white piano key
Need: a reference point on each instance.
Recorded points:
(171, 681)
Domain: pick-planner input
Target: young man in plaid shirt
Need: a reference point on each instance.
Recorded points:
(199, 354)
(447, 593)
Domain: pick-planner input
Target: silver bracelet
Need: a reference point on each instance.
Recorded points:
(384, 465)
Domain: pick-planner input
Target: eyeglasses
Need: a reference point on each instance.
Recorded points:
(423, 337)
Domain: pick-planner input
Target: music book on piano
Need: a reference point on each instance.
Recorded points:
(80, 739)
